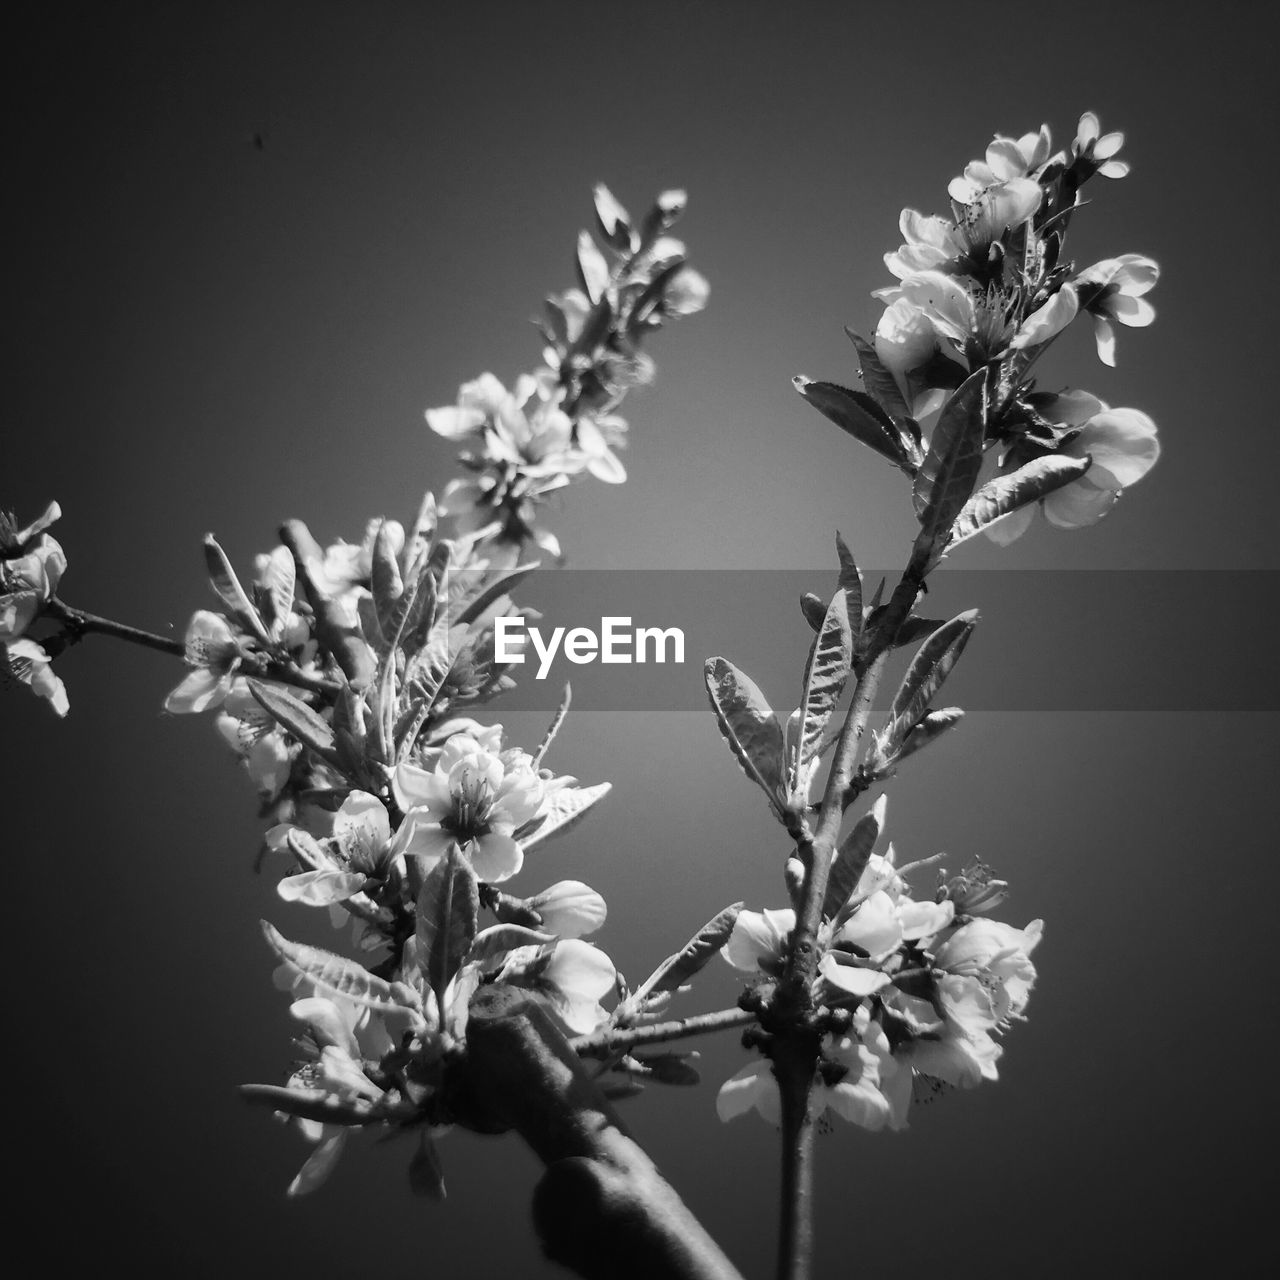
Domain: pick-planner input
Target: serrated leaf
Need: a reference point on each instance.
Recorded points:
(222, 577)
(950, 469)
(295, 716)
(749, 726)
(501, 938)
(1006, 493)
(925, 676)
(331, 974)
(563, 809)
(825, 673)
(859, 415)
(445, 923)
(677, 969)
(278, 585)
(851, 859)
(879, 382)
(321, 888)
(566, 699)
(593, 270)
(850, 582)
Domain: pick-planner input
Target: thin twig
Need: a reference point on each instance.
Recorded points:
(605, 1044)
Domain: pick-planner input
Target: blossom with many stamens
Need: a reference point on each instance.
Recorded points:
(474, 797)
(213, 652)
(848, 1082)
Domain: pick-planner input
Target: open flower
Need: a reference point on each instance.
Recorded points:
(31, 565)
(575, 977)
(1115, 289)
(1007, 159)
(475, 797)
(214, 653)
(27, 662)
(989, 974)
(334, 1069)
(848, 1080)
(1124, 446)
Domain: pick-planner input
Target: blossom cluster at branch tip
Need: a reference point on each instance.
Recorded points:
(927, 986)
(988, 286)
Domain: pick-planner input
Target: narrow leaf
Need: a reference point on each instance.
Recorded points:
(554, 727)
(813, 609)
(298, 718)
(613, 219)
(851, 858)
(447, 910)
(563, 809)
(677, 969)
(593, 270)
(331, 974)
(850, 583)
(925, 676)
(498, 939)
(825, 674)
(859, 415)
(879, 382)
(1003, 494)
(666, 1068)
(386, 583)
(490, 592)
(949, 471)
(749, 726)
(223, 579)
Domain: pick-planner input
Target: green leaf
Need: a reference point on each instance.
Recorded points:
(222, 577)
(851, 858)
(825, 673)
(593, 270)
(566, 698)
(925, 676)
(664, 1068)
(879, 382)
(386, 583)
(491, 591)
(498, 939)
(1005, 493)
(445, 925)
(813, 609)
(850, 583)
(613, 220)
(749, 726)
(949, 472)
(677, 969)
(563, 809)
(859, 415)
(295, 716)
(331, 974)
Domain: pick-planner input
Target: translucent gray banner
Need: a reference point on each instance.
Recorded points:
(1047, 641)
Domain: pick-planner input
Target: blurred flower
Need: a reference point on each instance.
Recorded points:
(31, 565)
(1098, 152)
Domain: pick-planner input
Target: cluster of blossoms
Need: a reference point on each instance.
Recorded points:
(31, 566)
(914, 991)
(344, 678)
(561, 421)
(988, 287)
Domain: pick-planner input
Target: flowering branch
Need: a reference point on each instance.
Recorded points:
(608, 1044)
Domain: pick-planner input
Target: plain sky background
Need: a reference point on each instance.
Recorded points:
(250, 243)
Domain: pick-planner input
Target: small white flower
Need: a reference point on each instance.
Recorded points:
(213, 652)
